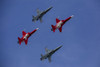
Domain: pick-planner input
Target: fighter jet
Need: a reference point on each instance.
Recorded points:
(49, 53)
(26, 36)
(59, 24)
(40, 15)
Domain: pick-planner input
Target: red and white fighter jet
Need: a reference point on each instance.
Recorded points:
(59, 24)
(26, 36)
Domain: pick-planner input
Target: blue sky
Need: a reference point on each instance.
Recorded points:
(80, 36)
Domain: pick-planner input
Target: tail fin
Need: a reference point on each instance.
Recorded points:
(53, 28)
(34, 19)
(19, 40)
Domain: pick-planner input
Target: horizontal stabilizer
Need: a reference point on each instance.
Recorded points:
(33, 19)
(19, 40)
(53, 28)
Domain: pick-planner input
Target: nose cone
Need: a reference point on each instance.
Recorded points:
(37, 28)
(59, 47)
(51, 7)
(72, 16)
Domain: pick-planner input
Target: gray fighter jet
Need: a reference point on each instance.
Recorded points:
(40, 15)
(49, 53)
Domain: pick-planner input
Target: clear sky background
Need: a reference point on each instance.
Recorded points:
(80, 36)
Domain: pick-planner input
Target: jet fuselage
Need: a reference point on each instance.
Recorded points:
(59, 24)
(26, 36)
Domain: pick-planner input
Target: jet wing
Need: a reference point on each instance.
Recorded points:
(38, 11)
(23, 33)
(26, 41)
(47, 50)
(60, 29)
(49, 58)
(57, 20)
